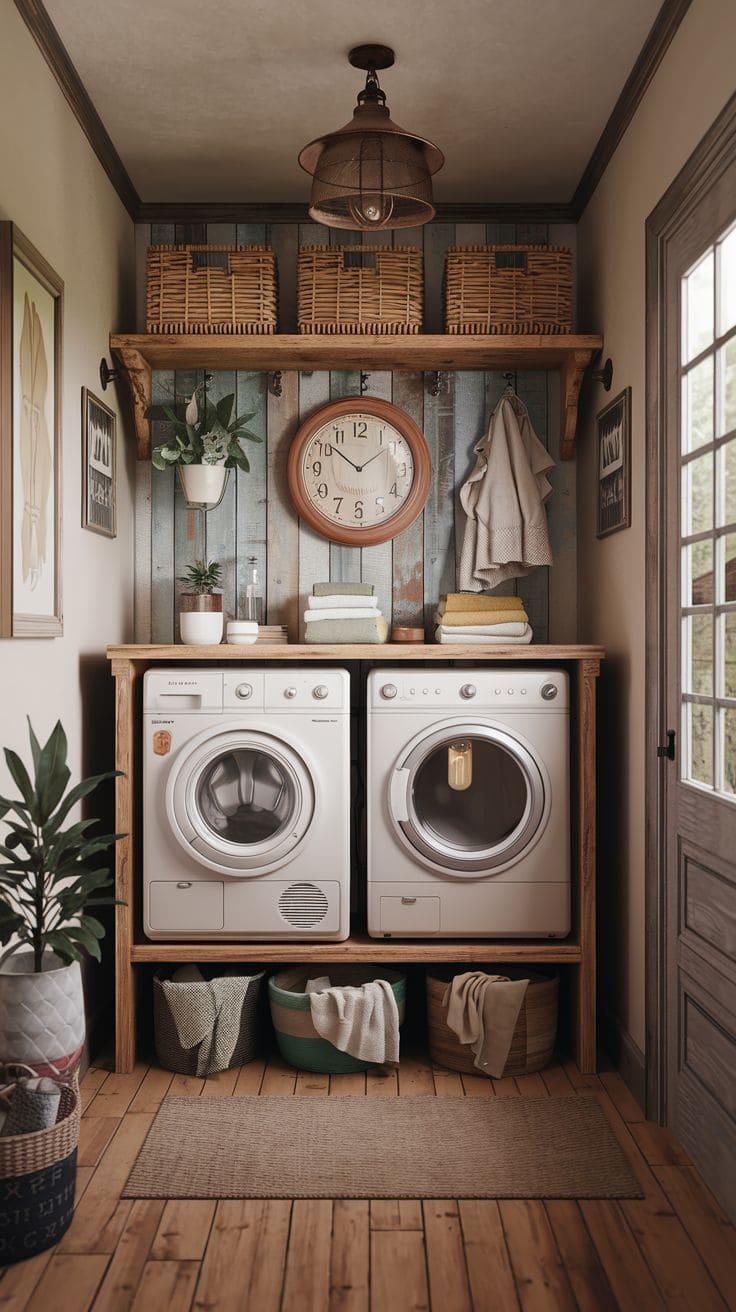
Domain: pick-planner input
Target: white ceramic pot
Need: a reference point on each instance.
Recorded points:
(41, 1014)
(240, 633)
(201, 628)
(202, 485)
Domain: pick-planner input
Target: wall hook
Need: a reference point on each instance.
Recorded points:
(364, 382)
(275, 386)
(604, 376)
(439, 381)
(107, 375)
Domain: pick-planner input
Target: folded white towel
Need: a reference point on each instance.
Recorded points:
(483, 639)
(339, 600)
(512, 629)
(362, 1021)
(346, 613)
(317, 985)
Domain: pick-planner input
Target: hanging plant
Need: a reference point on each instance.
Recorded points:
(209, 434)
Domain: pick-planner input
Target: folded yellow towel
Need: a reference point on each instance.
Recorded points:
(462, 618)
(477, 601)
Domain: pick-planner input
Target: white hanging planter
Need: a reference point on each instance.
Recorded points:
(203, 485)
(41, 1012)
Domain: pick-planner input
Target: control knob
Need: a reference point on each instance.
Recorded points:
(290, 693)
(549, 691)
(244, 691)
(468, 690)
(389, 691)
(320, 692)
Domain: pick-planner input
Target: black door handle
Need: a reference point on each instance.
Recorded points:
(668, 752)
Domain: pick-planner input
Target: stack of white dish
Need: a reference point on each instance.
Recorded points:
(240, 633)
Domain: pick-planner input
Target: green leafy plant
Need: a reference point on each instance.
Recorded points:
(48, 874)
(202, 576)
(209, 434)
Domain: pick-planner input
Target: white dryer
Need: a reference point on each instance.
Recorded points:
(468, 803)
(246, 804)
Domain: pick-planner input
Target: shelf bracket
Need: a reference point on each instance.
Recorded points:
(137, 371)
(571, 377)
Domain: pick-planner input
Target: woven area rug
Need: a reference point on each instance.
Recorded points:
(389, 1148)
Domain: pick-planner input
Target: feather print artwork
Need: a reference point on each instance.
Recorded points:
(35, 447)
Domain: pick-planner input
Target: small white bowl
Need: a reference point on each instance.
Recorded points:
(240, 633)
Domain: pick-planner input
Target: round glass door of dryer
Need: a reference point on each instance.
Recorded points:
(241, 802)
(469, 798)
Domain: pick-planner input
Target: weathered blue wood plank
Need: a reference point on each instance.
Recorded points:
(408, 547)
(252, 398)
(439, 513)
(220, 521)
(282, 524)
(314, 550)
(162, 524)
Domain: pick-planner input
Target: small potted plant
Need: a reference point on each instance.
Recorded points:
(49, 875)
(200, 608)
(204, 446)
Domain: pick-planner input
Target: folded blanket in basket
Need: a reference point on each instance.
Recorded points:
(482, 1010)
(362, 1021)
(460, 619)
(340, 613)
(345, 631)
(477, 601)
(337, 600)
(488, 638)
(207, 1013)
(330, 589)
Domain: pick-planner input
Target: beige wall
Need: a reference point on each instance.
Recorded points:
(53, 187)
(693, 83)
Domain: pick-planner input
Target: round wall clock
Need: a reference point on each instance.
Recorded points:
(359, 471)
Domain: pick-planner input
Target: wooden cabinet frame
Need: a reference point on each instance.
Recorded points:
(577, 952)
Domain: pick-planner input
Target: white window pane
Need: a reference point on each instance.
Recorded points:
(697, 587)
(698, 654)
(729, 751)
(699, 731)
(727, 306)
(697, 488)
(729, 654)
(697, 405)
(698, 302)
(726, 388)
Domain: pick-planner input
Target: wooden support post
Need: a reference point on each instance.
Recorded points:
(584, 764)
(125, 730)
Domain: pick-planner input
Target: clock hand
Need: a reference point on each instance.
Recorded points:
(368, 461)
(337, 452)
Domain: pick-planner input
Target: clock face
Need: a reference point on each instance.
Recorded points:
(359, 470)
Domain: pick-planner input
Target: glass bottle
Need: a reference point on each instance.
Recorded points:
(253, 597)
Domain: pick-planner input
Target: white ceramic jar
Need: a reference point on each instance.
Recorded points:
(240, 633)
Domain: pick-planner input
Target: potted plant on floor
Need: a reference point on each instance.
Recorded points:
(200, 607)
(49, 875)
(204, 446)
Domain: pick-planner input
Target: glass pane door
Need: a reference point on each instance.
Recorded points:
(708, 519)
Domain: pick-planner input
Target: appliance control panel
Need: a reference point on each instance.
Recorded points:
(243, 688)
(480, 689)
(304, 689)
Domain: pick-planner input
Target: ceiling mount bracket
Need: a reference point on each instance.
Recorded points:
(372, 56)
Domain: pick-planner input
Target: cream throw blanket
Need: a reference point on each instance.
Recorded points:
(506, 531)
(362, 1021)
(482, 1010)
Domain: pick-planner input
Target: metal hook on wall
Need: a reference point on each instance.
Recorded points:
(275, 386)
(439, 381)
(604, 375)
(364, 376)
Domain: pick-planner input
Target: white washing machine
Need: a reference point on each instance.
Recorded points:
(246, 804)
(468, 803)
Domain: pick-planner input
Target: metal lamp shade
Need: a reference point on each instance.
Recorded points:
(371, 174)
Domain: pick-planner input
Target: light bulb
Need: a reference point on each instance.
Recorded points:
(460, 765)
(372, 210)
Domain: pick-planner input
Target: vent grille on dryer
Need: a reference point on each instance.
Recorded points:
(303, 905)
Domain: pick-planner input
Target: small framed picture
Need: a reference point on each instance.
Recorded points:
(99, 456)
(614, 465)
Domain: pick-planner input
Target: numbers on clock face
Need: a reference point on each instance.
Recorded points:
(357, 471)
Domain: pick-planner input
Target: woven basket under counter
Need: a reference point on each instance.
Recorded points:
(360, 289)
(211, 289)
(534, 1037)
(508, 289)
(38, 1174)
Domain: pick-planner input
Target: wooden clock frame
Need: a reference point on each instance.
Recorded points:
(415, 501)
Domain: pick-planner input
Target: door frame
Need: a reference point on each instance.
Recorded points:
(713, 154)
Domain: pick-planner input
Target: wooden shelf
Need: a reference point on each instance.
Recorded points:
(139, 353)
(361, 948)
(355, 651)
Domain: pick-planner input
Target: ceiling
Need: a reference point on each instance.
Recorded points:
(212, 102)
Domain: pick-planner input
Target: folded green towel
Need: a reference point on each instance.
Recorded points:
(345, 631)
(349, 589)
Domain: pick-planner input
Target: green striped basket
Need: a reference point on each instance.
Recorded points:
(298, 1041)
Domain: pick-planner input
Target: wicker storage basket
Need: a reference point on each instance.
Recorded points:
(508, 289)
(360, 289)
(298, 1041)
(194, 997)
(37, 1183)
(211, 289)
(534, 1037)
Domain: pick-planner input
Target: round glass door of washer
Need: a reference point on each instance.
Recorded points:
(241, 802)
(470, 798)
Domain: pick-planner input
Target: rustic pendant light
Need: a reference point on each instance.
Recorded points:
(371, 174)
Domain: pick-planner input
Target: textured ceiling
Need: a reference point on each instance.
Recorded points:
(213, 102)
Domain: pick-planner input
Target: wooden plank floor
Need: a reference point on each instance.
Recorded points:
(672, 1249)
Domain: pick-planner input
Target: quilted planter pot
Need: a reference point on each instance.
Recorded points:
(41, 1014)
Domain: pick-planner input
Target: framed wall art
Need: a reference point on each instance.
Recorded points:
(99, 468)
(31, 302)
(613, 426)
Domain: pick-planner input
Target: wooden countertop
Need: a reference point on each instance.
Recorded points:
(386, 651)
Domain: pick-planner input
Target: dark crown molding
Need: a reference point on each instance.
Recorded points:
(652, 53)
(54, 52)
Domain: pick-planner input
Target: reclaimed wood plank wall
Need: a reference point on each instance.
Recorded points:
(256, 519)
